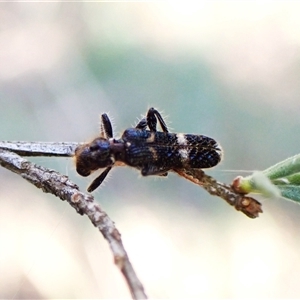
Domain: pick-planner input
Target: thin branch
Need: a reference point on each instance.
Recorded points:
(59, 185)
(53, 182)
(247, 205)
(40, 148)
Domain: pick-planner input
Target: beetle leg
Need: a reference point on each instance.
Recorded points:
(98, 180)
(154, 170)
(105, 127)
(152, 117)
(142, 124)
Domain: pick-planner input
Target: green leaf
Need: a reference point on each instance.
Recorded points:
(293, 179)
(291, 192)
(284, 168)
(257, 183)
(282, 179)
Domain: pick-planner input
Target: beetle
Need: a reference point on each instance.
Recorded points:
(146, 149)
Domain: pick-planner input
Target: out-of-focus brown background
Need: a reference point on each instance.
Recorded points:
(230, 70)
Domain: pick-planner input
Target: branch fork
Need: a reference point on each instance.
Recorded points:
(59, 185)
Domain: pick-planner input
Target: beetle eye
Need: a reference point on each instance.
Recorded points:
(94, 147)
(82, 171)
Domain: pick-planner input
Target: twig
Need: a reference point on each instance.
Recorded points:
(40, 148)
(59, 185)
(247, 205)
(53, 182)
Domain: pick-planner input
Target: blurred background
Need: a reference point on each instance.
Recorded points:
(230, 70)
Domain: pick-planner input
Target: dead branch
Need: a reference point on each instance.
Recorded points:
(59, 185)
(40, 148)
(247, 205)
